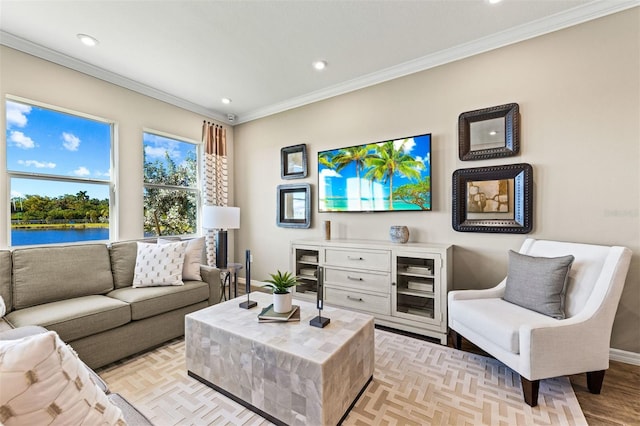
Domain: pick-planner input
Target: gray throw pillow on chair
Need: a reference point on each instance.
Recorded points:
(538, 283)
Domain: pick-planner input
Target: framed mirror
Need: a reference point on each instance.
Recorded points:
(294, 206)
(293, 162)
(497, 199)
(489, 133)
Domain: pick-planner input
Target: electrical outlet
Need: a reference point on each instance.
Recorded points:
(250, 258)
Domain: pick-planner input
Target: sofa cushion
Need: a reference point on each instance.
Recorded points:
(159, 264)
(49, 274)
(538, 283)
(123, 262)
(42, 381)
(75, 318)
(149, 301)
(5, 278)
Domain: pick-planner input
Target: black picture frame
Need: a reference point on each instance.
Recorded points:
(294, 206)
(293, 162)
(510, 210)
(489, 133)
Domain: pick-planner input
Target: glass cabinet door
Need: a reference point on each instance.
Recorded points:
(306, 270)
(416, 285)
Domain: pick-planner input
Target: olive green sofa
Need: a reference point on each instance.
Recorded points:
(84, 293)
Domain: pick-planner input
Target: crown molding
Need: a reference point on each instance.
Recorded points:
(568, 18)
(593, 10)
(14, 42)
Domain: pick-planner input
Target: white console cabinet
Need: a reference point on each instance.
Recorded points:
(403, 285)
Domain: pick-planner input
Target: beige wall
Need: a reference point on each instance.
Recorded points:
(578, 91)
(39, 80)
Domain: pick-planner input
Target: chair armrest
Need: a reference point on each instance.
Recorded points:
(211, 276)
(489, 293)
(570, 346)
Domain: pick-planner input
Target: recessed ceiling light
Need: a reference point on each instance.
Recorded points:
(494, 1)
(320, 65)
(87, 40)
(226, 101)
(493, 133)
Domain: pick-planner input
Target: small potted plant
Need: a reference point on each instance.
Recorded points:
(280, 284)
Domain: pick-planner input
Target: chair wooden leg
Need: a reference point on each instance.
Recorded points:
(594, 381)
(530, 390)
(456, 338)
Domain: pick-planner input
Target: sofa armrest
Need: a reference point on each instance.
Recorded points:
(211, 276)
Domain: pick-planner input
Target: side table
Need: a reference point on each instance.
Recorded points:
(230, 279)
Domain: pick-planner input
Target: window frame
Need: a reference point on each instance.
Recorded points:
(110, 183)
(196, 189)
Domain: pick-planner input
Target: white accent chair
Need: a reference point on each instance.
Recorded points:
(538, 346)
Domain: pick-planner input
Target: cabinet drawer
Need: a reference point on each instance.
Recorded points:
(358, 280)
(378, 304)
(377, 260)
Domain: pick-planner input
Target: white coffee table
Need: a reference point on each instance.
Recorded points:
(289, 373)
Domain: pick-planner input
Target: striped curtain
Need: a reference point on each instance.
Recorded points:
(215, 176)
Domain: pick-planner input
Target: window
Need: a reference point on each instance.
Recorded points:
(59, 172)
(170, 185)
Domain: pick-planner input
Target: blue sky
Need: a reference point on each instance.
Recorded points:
(43, 141)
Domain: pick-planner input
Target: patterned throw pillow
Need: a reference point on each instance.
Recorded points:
(192, 258)
(159, 264)
(43, 382)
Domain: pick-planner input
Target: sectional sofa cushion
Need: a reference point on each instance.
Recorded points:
(149, 301)
(49, 274)
(123, 262)
(5, 278)
(58, 388)
(75, 318)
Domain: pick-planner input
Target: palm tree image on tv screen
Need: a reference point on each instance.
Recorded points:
(393, 175)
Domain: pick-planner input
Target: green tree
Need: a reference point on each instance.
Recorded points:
(418, 193)
(389, 161)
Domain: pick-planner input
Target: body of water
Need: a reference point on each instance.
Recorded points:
(25, 237)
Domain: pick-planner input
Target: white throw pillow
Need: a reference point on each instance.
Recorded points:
(192, 258)
(43, 382)
(159, 265)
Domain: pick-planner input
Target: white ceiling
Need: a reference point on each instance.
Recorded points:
(192, 53)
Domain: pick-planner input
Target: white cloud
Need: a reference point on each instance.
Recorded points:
(71, 141)
(409, 144)
(37, 164)
(81, 171)
(158, 152)
(329, 173)
(21, 140)
(16, 194)
(17, 114)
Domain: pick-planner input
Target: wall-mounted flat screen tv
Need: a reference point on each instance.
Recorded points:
(393, 175)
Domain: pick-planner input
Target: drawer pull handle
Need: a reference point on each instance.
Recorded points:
(354, 278)
(355, 258)
(355, 299)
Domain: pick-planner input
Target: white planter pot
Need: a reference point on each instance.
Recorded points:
(282, 302)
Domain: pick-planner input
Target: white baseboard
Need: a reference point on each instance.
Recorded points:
(619, 355)
(624, 356)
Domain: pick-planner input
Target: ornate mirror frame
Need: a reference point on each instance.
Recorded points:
(489, 133)
(496, 199)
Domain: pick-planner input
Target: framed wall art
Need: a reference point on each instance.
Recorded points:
(293, 162)
(489, 133)
(294, 206)
(496, 199)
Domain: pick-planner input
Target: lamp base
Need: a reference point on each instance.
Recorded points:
(221, 249)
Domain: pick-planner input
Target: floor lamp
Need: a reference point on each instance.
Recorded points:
(221, 218)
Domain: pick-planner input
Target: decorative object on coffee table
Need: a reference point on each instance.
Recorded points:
(399, 234)
(280, 283)
(319, 321)
(248, 304)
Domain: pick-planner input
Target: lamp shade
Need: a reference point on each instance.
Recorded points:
(220, 217)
